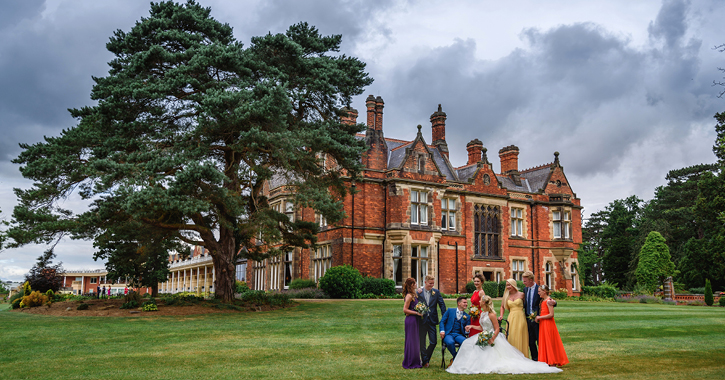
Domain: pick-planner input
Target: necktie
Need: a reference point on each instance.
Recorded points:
(531, 299)
(459, 314)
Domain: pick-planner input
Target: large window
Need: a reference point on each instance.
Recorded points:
(94, 280)
(517, 269)
(486, 231)
(418, 207)
(259, 272)
(448, 214)
(290, 211)
(398, 265)
(419, 263)
(574, 279)
(517, 222)
(322, 260)
(275, 267)
(562, 224)
(323, 221)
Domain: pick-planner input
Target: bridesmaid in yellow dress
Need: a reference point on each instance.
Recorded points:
(513, 301)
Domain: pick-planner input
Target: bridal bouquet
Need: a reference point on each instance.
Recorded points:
(483, 339)
(532, 317)
(474, 312)
(422, 308)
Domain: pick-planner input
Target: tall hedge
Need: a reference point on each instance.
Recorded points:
(655, 263)
(377, 286)
(491, 289)
(342, 282)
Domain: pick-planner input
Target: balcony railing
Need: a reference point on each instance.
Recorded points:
(190, 261)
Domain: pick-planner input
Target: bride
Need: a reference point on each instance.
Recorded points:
(501, 357)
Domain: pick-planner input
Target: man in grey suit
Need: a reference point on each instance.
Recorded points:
(432, 297)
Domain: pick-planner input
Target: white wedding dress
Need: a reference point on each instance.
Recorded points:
(502, 357)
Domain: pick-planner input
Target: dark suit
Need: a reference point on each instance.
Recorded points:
(429, 322)
(454, 328)
(532, 307)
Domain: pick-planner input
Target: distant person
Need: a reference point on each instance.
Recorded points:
(103, 291)
(109, 292)
(125, 291)
(98, 291)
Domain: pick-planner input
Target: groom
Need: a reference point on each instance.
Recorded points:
(454, 326)
(433, 299)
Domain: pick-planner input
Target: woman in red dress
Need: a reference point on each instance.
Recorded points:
(476, 298)
(551, 350)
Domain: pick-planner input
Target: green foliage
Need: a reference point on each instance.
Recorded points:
(655, 263)
(520, 285)
(491, 289)
(309, 293)
(341, 282)
(721, 302)
(186, 128)
(560, 295)
(377, 286)
(619, 238)
(26, 288)
(43, 276)
(241, 287)
(132, 296)
(708, 293)
(50, 294)
(148, 306)
(602, 291)
(470, 288)
(302, 283)
(700, 290)
(15, 303)
(83, 306)
(34, 299)
(3, 288)
(501, 288)
(129, 305)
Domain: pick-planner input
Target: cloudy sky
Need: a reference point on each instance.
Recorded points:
(622, 89)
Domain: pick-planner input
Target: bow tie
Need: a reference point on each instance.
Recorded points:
(459, 314)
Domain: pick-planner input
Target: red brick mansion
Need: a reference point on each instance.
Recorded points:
(416, 214)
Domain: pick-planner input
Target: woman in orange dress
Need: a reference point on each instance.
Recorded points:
(551, 350)
(476, 298)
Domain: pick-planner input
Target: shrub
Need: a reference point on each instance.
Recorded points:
(470, 288)
(301, 283)
(722, 301)
(148, 306)
(520, 285)
(50, 294)
(241, 287)
(129, 305)
(501, 288)
(560, 295)
(708, 293)
(18, 296)
(26, 289)
(35, 299)
(491, 289)
(307, 293)
(83, 306)
(341, 282)
(149, 302)
(254, 296)
(278, 299)
(697, 290)
(603, 291)
(146, 295)
(377, 286)
(132, 296)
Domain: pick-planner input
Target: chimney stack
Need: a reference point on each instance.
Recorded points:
(474, 151)
(509, 156)
(370, 104)
(379, 104)
(350, 118)
(438, 122)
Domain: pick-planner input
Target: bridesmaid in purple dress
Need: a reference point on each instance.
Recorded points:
(411, 355)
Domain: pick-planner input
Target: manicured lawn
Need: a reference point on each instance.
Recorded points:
(346, 339)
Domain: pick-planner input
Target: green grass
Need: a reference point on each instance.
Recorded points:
(346, 339)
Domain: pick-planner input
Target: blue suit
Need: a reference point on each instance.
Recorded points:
(455, 329)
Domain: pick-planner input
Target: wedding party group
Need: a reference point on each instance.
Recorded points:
(473, 335)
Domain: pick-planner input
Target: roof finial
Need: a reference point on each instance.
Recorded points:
(556, 158)
(419, 128)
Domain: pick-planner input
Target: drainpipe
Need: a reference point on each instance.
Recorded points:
(385, 228)
(352, 231)
(438, 263)
(533, 242)
(457, 267)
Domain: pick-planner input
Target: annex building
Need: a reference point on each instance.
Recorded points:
(415, 214)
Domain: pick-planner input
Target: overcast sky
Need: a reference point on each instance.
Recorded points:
(622, 89)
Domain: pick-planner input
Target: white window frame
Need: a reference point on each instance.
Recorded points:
(419, 260)
(322, 261)
(241, 272)
(398, 265)
(419, 207)
(517, 221)
(562, 224)
(259, 274)
(518, 267)
(448, 214)
(289, 210)
(549, 277)
(573, 277)
(287, 265)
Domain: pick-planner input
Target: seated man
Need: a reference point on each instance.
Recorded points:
(454, 326)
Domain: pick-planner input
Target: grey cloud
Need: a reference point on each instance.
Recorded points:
(15, 12)
(670, 23)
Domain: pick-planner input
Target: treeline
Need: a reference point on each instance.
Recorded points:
(689, 212)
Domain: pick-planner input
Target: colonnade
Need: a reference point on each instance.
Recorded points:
(198, 279)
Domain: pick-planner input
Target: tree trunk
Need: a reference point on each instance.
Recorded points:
(155, 290)
(224, 267)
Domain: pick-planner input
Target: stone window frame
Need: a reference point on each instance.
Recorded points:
(399, 259)
(521, 227)
(562, 224)
(549, 274)
(419, 260)
(518, 260)
(419, 208)
(448, 212)
(321, 261)
(483, 249)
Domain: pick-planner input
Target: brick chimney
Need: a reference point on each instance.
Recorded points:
(438, 122)
(509, 156)
(474, 151)
(370, 104)
(350, 118)
(379, 104)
